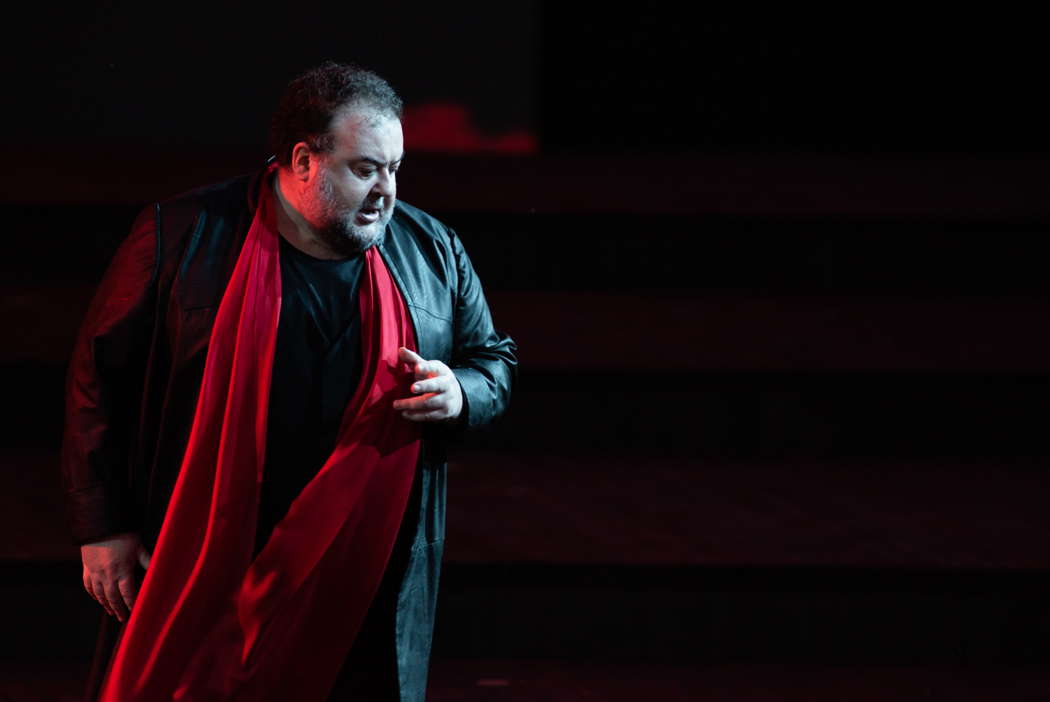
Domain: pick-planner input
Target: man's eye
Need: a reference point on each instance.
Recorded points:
(365, 172)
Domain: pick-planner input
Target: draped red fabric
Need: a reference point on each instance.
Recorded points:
(211, 622)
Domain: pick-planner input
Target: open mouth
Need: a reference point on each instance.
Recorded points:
(367, 215)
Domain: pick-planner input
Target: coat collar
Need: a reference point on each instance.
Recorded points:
(252, 195)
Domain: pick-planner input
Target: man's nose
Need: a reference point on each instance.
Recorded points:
(385, 186)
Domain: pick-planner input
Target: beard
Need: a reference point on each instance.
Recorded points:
(337, 228)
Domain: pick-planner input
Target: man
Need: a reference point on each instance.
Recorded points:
(258, 406)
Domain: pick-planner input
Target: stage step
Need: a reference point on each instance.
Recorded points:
(728, 416)
(607, 556)
(611, 509)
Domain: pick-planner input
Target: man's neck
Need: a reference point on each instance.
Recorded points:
(295, 229)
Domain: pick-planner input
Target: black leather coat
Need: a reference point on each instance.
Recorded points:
(139, 358)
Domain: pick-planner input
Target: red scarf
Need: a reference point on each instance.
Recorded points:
(209, 622)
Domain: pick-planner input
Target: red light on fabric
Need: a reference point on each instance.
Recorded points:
(210, 623)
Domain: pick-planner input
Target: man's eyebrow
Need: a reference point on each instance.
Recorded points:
(376, 162)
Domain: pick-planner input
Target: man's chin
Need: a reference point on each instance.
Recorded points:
(355, 239)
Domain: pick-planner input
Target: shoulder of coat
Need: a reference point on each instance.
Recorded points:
(417, 222)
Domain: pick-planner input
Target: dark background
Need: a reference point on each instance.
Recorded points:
(778, 284)
(126, 73)
(577, 76)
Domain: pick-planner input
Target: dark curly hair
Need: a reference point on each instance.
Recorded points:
(310, 102)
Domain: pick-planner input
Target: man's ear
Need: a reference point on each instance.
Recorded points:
(302, 159)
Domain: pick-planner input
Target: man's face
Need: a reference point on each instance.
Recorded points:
(351, 190)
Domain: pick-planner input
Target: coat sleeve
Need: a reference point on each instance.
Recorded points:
(483, 359)
(104, 389)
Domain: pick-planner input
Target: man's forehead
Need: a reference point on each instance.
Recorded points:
(362, 113)
(365, 129)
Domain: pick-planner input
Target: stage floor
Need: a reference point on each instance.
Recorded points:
(615, 509)
(551, 681)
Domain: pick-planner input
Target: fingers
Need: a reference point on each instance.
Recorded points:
(441, 383)
(408, 355)
(434, 393)
(427, 402)
(97, 593)
(427, 369)
(116, 594)
(109, 571)
(116, 600)
(439, 395)
(421, 367)
(429, 408)
(144, 557)
(431, 416)
(128, 591)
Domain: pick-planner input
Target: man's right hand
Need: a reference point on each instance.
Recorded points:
(109, 571)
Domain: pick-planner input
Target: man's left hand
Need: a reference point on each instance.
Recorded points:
(438, 397)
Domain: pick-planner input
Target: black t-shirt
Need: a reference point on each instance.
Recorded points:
(316, 368)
